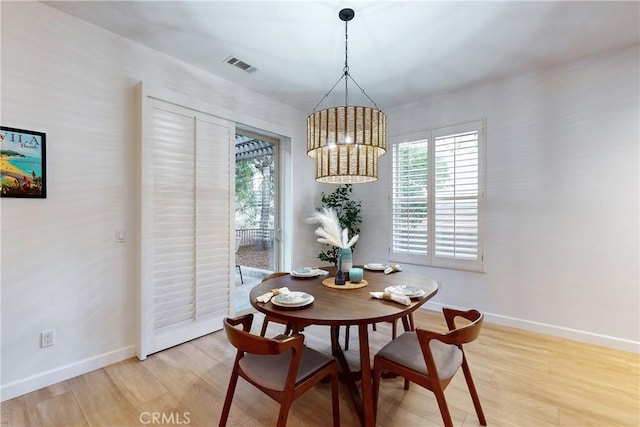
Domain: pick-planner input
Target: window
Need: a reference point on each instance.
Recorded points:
(437, 198)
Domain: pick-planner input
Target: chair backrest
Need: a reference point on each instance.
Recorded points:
(246, 342)
(455, 336)
(466, 333)
(273, 275)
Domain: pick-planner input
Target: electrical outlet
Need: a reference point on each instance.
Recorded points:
(47, 338)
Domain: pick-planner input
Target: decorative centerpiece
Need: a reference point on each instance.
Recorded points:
(330, 233)
(348, 211)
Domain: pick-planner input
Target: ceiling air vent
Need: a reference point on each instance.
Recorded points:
(242, 65)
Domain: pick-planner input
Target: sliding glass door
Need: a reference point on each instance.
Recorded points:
(256, 216)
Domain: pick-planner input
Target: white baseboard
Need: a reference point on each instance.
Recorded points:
(553, 330)
(44, 379)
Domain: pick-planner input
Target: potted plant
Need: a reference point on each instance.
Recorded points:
(349, 217)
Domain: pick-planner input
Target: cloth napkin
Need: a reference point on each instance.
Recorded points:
(399, 298)
(392, 269)
(266, 297)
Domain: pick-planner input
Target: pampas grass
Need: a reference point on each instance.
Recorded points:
(329, 231)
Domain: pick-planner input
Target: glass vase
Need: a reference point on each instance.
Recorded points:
(347, 258)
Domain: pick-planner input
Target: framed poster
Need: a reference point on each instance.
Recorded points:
(22, 163)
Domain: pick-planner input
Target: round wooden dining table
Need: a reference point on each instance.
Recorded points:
(337, 307)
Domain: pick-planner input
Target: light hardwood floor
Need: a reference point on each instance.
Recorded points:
(523, 379)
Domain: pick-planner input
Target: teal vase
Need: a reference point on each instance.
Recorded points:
(347, 259)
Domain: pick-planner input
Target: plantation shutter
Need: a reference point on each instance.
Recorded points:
(410, 198)
(174, 231)
(186, 223)
(437, 198)
(456, 195)
(213, 217)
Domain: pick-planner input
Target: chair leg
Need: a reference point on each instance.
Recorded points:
(377, 371)
(346, 338)
(406, 323)
(240, 271)
(412, 323)
(227, 400)
(442, 404)
(335, 340)
(284, 413)
(473, 392)
(335, 397)
(265, 322)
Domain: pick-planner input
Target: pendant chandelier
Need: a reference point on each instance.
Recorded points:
(346, 141)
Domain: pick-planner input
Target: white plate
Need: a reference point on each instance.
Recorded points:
(305, 272)
(410, 291)
(292, 299)
(376, 266)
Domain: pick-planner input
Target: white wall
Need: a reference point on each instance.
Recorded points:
(562, 195)
(61, 267)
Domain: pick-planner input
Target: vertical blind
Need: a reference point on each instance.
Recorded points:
(437, 198)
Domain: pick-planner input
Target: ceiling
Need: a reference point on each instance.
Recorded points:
(399, 52)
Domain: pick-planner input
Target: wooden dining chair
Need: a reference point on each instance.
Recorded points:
(267, 318)
(282, 369)
(431, 359)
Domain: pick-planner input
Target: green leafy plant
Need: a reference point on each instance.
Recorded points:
(349, 216)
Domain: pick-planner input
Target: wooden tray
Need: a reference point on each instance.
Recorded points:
(331, 283)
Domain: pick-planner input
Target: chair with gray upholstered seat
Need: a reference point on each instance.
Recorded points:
(282, 369)
(431, 359)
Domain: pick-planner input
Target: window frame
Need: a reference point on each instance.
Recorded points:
(430, 258)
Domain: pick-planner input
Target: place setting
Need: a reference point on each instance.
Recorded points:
(402, 294)
(406, 290)
(376, 266)
(285, 298)
(305, 272)
(293, 299)
(386, 268)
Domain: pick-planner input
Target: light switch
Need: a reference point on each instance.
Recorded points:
(121, 236)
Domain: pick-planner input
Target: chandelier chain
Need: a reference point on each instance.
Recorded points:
(346, 64)
(346, 75)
